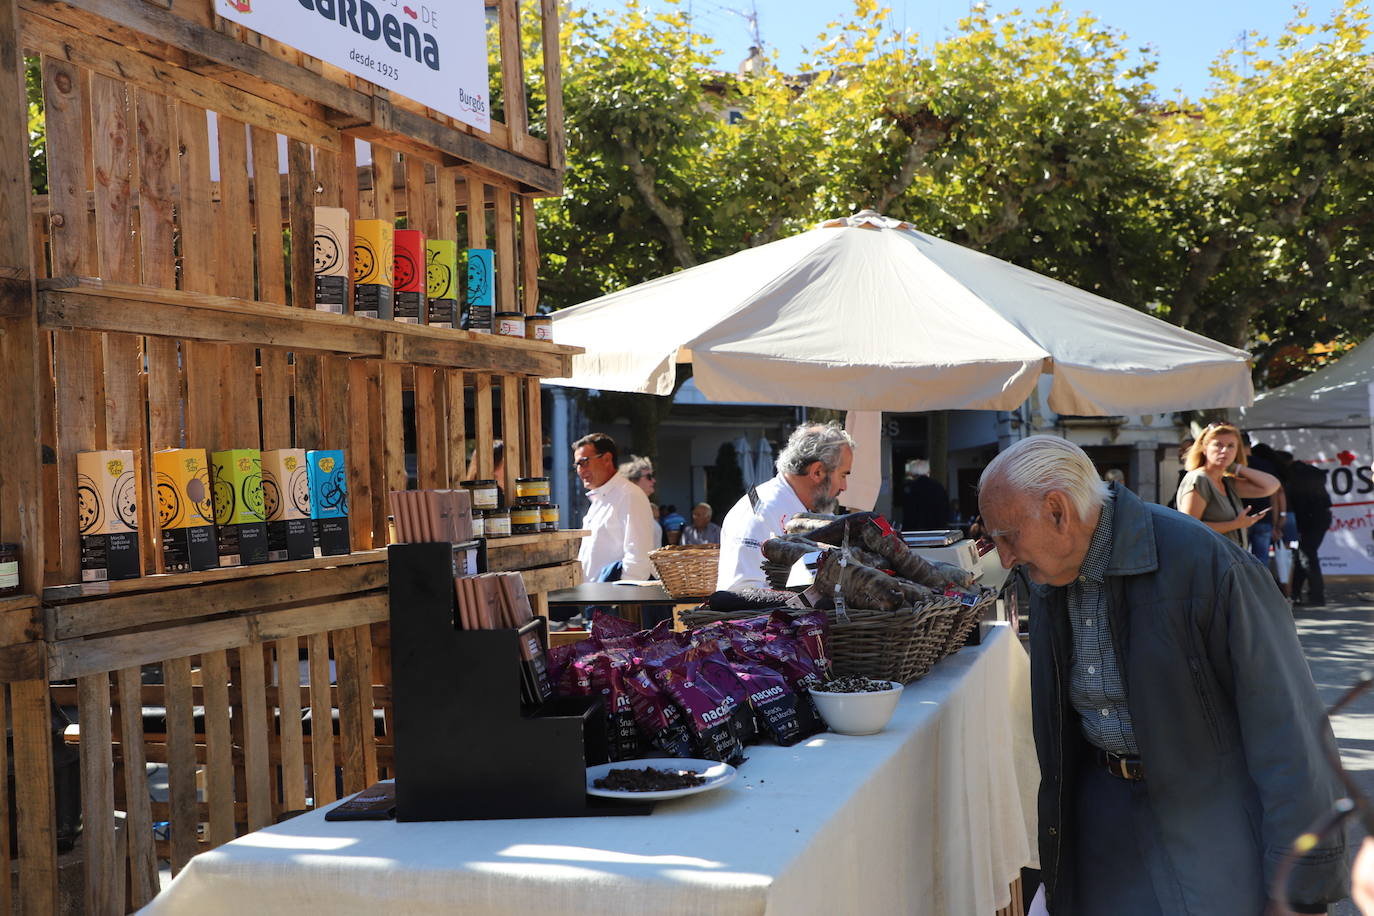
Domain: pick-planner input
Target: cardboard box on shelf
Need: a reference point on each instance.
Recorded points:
(329, 500)
(185, 508)
(374, 249)
(239, 510)
(107, 494)
(286, 499)
(408, 272)
(441, 282)
(332, 257)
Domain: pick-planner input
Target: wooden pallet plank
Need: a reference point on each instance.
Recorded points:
(322, 778)
(512, 70)
(267, 217)
(553, 86)
(529, 256)
(309, 406)
(477, 213)
(301, 185)
(256, 761)
(383, 182)
(195, 210)
(234, 242)
(155, 167)
(482, 433)
(181, 762)
(512, 429)
(393, 428)
(361, 479)
(292, 746)
(6, 841)
(507, 271)
(36, 827)
(362, 636)
(274, 386)
(219, 748)
(143, 876)
(102, 863)
(455, 446)
(351, 722)
(429, 418)
(533, 441)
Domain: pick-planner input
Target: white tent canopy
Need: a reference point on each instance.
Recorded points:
(868, 313)
(1336, 396)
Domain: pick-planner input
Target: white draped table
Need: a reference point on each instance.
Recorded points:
(935, 815)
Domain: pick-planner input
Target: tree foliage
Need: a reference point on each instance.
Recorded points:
(1037, 138)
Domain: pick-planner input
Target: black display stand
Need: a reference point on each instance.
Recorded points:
(465, 748)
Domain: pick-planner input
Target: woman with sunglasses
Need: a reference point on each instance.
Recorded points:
(1217, 481)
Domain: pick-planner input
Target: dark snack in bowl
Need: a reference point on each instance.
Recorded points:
(781, 714)
(648, 779)
(853, 684)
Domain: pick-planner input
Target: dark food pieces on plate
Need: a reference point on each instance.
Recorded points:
(648, 779)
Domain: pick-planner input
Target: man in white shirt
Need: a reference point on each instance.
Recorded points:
(619, 519)
(813, 470)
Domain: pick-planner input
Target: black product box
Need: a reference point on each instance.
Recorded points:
(106, 557)
(243, 545)
(189, 549)
(441, 312)
(291, 539)
(332, 536)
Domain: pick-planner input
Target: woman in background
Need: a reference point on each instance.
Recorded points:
(1217, 481)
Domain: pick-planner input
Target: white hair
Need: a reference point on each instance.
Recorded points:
(637, 467)
(918, 467)
(1038, 464)
(813, 442)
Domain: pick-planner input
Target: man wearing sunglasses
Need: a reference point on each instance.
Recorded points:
(619, 519)
(1181, 740)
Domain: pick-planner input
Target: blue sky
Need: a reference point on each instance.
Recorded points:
(1185, 36)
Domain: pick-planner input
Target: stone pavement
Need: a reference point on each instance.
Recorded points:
(1339, 641)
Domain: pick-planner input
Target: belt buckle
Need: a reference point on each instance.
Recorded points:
(1123, 768)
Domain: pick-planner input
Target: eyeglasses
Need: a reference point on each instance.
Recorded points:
(583, 462)
(1332, 823)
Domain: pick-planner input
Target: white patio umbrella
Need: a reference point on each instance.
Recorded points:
(868, 313)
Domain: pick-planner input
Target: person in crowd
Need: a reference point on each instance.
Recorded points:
(1261, 534)
(925, 503)
(1311, 507)
(619, 520)
(673, 523)
(1184, 448)
(1114, 475)
(1218, 480)
(640, 472)
(702, 530)
(1362, 878)
(1179, 734)
(812, 471)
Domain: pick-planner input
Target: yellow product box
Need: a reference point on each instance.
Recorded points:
(107, 494)
(441, 281)
(185, 509)
(332, 255)
(374, 251)
(239, 510)
(286, 500)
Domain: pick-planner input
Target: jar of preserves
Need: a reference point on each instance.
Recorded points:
(548, 517)
(9, 569)
(524, 520)
(531, 491)
(510, 324)
(539, 327)
(479, 523)
(496, 523)
(483, 493)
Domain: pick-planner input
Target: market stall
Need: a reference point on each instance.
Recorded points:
(928, 817)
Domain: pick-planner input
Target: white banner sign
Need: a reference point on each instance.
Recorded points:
(1344, 455)
(434, 53)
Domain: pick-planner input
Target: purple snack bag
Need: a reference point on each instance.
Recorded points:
(813, 634)
(657, 716)
(609, 626)
(710, 711)
(607, 681)
(781, 714)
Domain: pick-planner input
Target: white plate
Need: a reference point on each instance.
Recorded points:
(716, 774)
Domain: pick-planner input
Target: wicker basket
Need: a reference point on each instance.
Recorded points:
(968, 619)
(687, 571)
(899, 645)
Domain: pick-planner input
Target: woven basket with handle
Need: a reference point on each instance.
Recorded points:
(688, 570)
(900, 645)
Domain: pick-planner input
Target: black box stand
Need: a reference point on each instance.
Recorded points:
(465, 748)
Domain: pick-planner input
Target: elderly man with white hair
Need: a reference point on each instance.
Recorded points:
(813, 470)
(1179, 734)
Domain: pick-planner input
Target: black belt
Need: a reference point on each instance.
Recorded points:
(1122, 767)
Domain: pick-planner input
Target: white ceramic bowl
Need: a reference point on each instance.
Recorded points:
(857, 713)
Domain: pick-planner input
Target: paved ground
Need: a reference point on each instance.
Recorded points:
(1339, 640)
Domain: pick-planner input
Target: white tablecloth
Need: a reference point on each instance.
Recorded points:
(934, 815)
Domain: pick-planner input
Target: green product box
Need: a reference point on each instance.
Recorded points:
(239, 510)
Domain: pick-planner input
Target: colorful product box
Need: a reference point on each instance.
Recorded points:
(481, 289)
(329, 500)
(107, 515)
(374, 250)
(331, 259)
(185, 509)
(239, 511)
(286, 499)
(441, 282)
(408, 272)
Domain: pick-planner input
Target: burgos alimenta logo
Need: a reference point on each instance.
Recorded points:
(362, 17)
